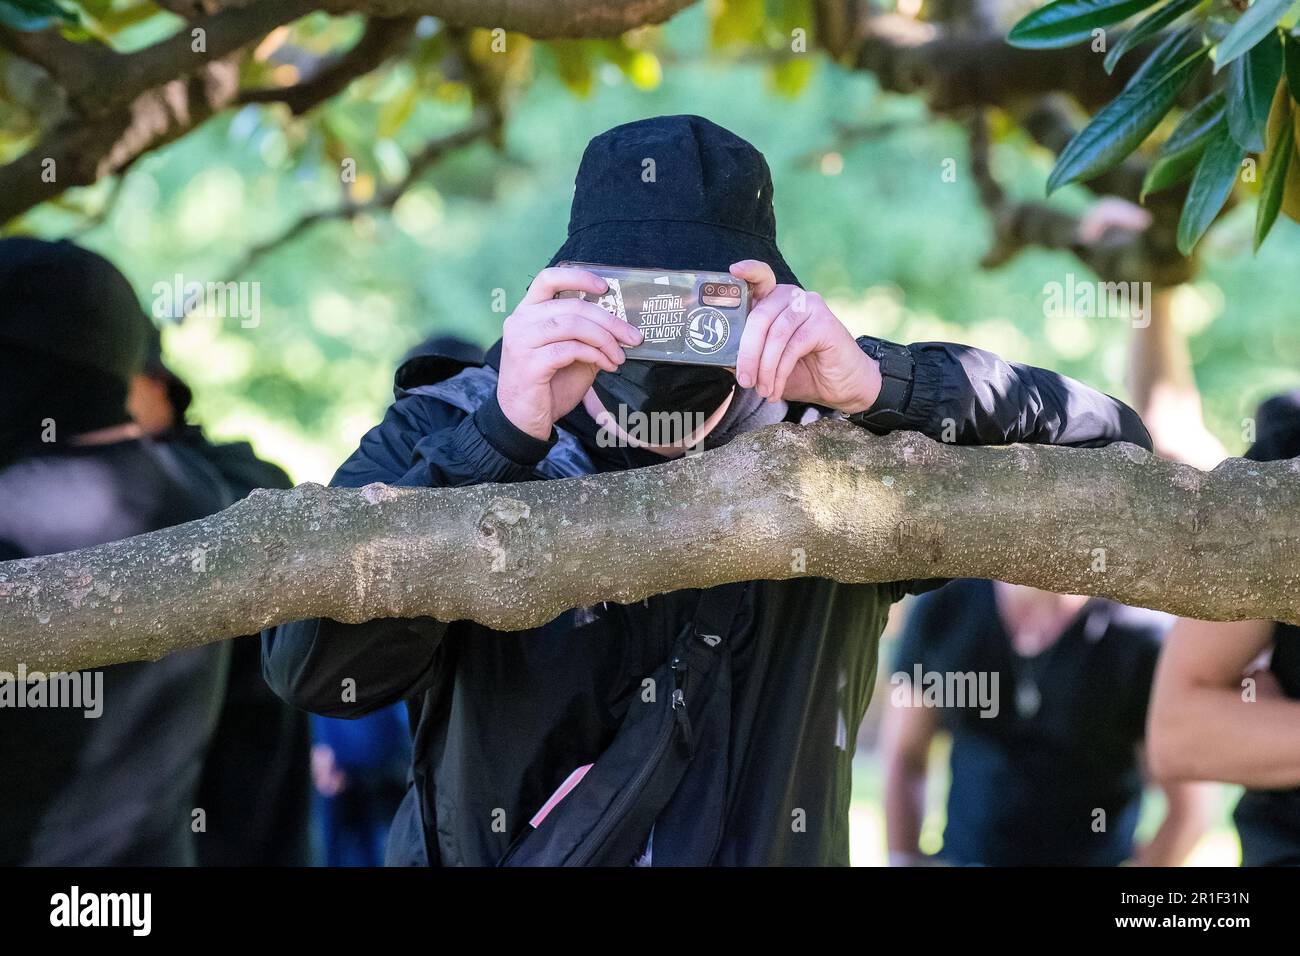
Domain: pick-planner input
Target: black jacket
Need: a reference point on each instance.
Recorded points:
(118, 789)
(501, 719)
(256, 782)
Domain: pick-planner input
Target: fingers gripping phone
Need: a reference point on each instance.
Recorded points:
(692, 318)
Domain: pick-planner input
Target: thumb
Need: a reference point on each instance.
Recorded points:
(758, 274)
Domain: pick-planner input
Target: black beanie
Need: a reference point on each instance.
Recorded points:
(1277, 428)
(72, 336)
(66, 302)
(45, 402)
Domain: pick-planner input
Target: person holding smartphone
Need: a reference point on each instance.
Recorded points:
(710, 727)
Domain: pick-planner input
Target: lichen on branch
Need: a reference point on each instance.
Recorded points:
(824, 500)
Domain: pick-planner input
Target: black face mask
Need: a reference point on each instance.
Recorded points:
(36, 388)
(661, 387)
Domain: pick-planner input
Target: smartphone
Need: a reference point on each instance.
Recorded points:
(690, 318)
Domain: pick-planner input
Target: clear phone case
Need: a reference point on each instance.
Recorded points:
(693, 318)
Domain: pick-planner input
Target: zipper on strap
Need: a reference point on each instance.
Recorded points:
(680, 714)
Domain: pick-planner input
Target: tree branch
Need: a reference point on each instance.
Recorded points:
(540, 19)
(957, 70)
(79, 152)
(417, 164)
(381, 40)
(121, 105)
(1116, 522)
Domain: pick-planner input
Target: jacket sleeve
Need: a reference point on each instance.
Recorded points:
(421, 442)
(967, 396)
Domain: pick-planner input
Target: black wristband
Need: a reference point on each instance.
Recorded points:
(897, 373)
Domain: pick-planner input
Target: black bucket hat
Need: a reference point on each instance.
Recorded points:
(673, 192)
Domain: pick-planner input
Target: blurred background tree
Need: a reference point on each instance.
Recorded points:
(380, 179)
(382, 170)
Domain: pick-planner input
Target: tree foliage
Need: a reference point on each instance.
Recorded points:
(1253, 53)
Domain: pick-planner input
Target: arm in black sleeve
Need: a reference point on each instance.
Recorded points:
(421, 442)
(967, 396)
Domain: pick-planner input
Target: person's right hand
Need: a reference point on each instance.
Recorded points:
(552, 349)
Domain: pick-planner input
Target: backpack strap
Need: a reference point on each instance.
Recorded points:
(606, 818)
(695, 813)
(715, 614)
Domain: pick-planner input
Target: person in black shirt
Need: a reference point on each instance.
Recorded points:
(76, 787)
(1217, 713)
(1045, 754)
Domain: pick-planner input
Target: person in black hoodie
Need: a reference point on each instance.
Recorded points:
(694, 727)
(1218, 714)
(78, 787)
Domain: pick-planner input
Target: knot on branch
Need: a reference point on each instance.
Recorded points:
(919, 536)
(1134, 453)
(502, 529)
(377, 493)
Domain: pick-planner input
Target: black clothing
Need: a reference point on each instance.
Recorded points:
(1062, 740)
(72, 305)
(256, 782)
(436, 358)
(35, 412)
(1268, 821)
(660, 388)
(118, 789)
(1277, 428)
(673, 192)
(502, 718)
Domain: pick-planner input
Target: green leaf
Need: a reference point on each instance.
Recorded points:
(28, 15)
(1147, 28)
(1253, 25)
(737, 22)
(1215, 175)
(1181, 151)
(1124, 122)
(1252, 80)
(1166, 171)
(1291, 61)
(573, 64)
(790, 77)
(1276, 164)
(1197, 123)
(1065, 22)
(1171, 51)
(110, 19)
(394, 113)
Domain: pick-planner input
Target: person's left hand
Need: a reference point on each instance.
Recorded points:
(795, 348)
